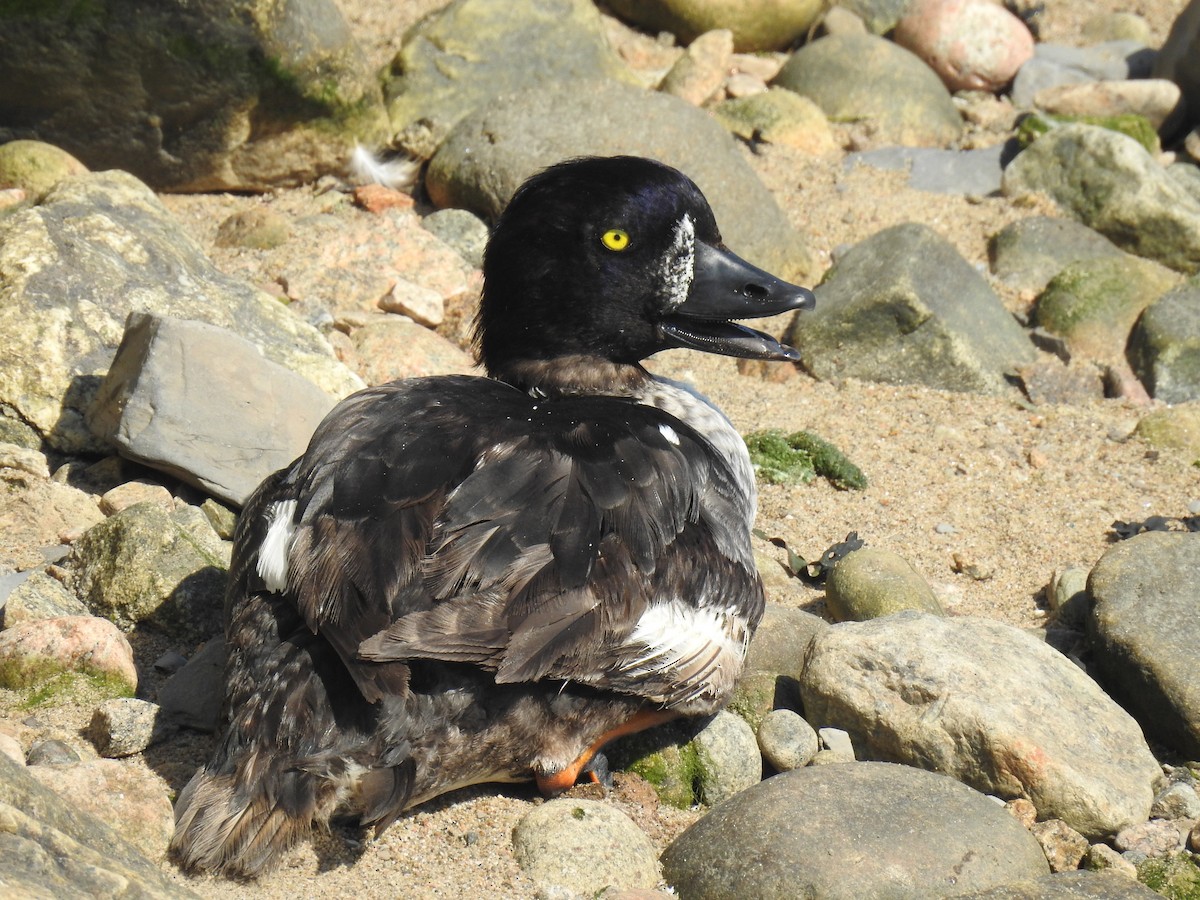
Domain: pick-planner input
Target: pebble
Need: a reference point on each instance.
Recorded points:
(52, 752)
(729, 758)
(787, 741)
(838, 743)
(1022, 810)
(421, 304)
(1101, 857)
(970, 44)
(1178, 801)
(1157, 838)
(11, 748)
(124, 726)
(461, 230)
(701, 71)
(1063, 845)
(141, 491)
(945, 528)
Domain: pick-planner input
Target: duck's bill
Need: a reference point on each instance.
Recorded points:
(726, 287)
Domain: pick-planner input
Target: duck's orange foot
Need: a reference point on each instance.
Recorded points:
(591, 763)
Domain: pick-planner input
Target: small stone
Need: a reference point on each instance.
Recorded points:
(14, 456)
(971, 44)
(1101, 858)
(1156, 839)
(254, 229)
(740, 84)
(141, 491)
(170, 662)
(871, 584)
(192, 696)
(1023, 811)
(728, 756)
(1178, 801)
(376, 198)
(1153, 98)
(786, 740)
(422, 305)
(945, 528)
(837, 742)
(1063, 845)
(125, 726)
(1194, 838)
(221, 517)
(52, 753)
(38, 595)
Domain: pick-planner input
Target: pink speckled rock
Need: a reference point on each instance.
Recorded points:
(33, 650)
(971, 44)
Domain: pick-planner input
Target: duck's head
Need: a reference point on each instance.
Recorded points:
(598, 263)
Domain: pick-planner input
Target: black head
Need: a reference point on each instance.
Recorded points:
(614, 259)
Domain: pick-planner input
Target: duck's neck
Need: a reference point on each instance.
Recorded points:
(573, 376)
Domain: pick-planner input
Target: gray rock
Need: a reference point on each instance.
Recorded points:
(787, 741)
(974, 172)
(1164, 346)
(837, 742)
(145, 566)
(52, 752)
(1103, 858)
(1144, 633)
(1063, 845)
(1056, 64)
(756, 24)
(903, 307)
(987, 704)
(192, 697)
(806, 833)
(491, 152)
(203, 404)
(464, 56)
(65, 293)
(774, 661)
(1068, 886)
(462, 230)
(871, 583)
(1027, 253)
(1180, 800)
(583, 847)
(867, 77)
(880, 16)
(125, 726)
(728, 757)
(54, 848)
(1110, 183)
(225, 95)
(1179, 61)
(37, 595)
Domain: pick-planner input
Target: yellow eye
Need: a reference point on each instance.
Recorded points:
(615, 239)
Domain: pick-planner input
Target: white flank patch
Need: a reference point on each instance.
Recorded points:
(273, 554)
(679, 263)
(669, 433)
(673, 631)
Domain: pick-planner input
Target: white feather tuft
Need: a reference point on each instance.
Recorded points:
(273, 552)
(399, 173)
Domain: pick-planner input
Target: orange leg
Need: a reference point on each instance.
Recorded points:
(565, 778)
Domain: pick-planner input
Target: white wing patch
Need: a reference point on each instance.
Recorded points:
(679, 264)
(273, 554)
(669, 433)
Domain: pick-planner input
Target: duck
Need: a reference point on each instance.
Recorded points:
(469, 579)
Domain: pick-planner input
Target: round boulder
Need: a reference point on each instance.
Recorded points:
(756, 24)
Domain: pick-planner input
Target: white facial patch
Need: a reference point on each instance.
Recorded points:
(273, 554)
(679, 264)
(669, 433)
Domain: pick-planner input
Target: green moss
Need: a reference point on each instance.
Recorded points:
(1137, 127)
(1176, 877)
(665, 758)
(799, 457)
(76, 686)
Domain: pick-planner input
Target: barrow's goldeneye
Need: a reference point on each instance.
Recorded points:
(469, 579)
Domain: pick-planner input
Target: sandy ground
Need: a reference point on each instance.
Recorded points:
(1018, 491)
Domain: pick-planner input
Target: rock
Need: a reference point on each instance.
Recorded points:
(145, 566)
(987, 704)
(134, 797)
(462, 230)
(1067, 886)
(755, 24)
(972, 45)
(1110, 183)
(870, 583)
(1093, 303)
(491, 152)
(473, 51)
(131, 493)
(787, 741)
(52, 752)
(1066, 597)
(700, 72)
(1157, 838)
(222, 519)
(232, 95)
(36, 167)
(39, 596)
(903, 307)
(423, 306)
(33, 653)
(1177, 61)
(837, 743)
(124, 726)
(1175, 428)
(258, 228)
(774, 661)
(878, 16)
(778, 116)
(1180, 800)
(1153, 98)
(1103, 858)
(1056, 64)
(1164, 346)
(583, 846)
(392, 348)
(11, 747)
(53, 848)
(1175, 876)
(866, 77)
(664, 757)
(1116, 26)
(970, 172)
(728, 758)
(1027, 253)
(1144, 633)
(192, 697)
(805, 833)
(1063, 845)
(1050, 381)
(34, 512)
(65, 293)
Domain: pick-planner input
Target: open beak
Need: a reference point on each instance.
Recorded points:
(726, 287)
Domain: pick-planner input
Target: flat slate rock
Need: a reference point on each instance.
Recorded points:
(1145, 632)
(493, 150)
(854, 830)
